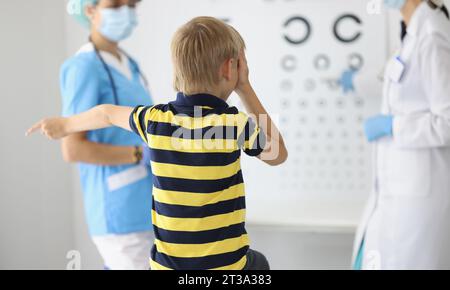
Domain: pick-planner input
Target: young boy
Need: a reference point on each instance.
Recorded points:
(196, 142)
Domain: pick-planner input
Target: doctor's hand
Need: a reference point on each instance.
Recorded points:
(378, 127)
(53, 128)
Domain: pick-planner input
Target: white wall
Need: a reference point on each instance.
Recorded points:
(36, 224)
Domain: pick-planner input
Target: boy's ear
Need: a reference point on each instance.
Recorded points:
(227, 69)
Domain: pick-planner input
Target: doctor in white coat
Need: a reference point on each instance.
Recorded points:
(406, 224)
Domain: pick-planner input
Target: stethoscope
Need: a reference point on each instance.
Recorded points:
(111, 78)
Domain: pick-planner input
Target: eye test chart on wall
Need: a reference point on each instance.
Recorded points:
(315, 65)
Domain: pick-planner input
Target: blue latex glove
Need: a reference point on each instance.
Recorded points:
(145, 155)
(378, 127)
(346, 81)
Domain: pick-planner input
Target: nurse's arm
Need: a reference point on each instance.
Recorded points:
(100, 117)
(77, 148)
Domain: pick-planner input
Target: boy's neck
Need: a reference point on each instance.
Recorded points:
(214, 92)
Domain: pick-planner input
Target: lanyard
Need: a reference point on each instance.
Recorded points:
(111, 78)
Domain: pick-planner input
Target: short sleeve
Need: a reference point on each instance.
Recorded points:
(80, 87)
(139, 119)
(252, 140)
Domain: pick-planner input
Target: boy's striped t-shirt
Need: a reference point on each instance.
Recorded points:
(198, 189)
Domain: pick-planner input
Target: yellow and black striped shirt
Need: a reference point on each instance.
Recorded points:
(198, 189)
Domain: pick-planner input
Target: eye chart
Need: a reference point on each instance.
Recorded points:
(315, 65)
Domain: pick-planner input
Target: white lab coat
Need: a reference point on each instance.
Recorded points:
(406, 224)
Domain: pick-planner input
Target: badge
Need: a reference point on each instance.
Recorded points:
(396, 70)
(127, 177)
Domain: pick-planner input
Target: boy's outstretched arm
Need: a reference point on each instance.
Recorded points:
(275, 152)
(100, 117)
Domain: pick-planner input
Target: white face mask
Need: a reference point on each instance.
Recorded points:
(118, 23)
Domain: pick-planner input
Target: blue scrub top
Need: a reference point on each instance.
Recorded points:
(84, 85)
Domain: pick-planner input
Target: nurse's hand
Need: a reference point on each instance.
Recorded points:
(53, 128)
(378, 127)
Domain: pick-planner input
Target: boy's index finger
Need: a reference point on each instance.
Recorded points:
(33, 129)
(242, 59)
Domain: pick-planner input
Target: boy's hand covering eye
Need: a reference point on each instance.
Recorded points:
(243, 72)
(53, 128)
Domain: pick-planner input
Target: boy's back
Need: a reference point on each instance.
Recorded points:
(198, 195)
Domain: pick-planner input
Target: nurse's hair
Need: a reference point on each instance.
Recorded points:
(199, 48)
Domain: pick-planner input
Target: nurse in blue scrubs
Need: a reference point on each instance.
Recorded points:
(114, 165)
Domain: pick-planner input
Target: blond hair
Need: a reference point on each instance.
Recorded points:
(199, 48)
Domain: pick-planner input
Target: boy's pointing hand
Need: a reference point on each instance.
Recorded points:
(53, 128)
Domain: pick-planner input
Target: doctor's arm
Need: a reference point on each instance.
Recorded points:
(429, 129)
(99, 117)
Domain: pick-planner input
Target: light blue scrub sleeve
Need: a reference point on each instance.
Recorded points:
(80, 87)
